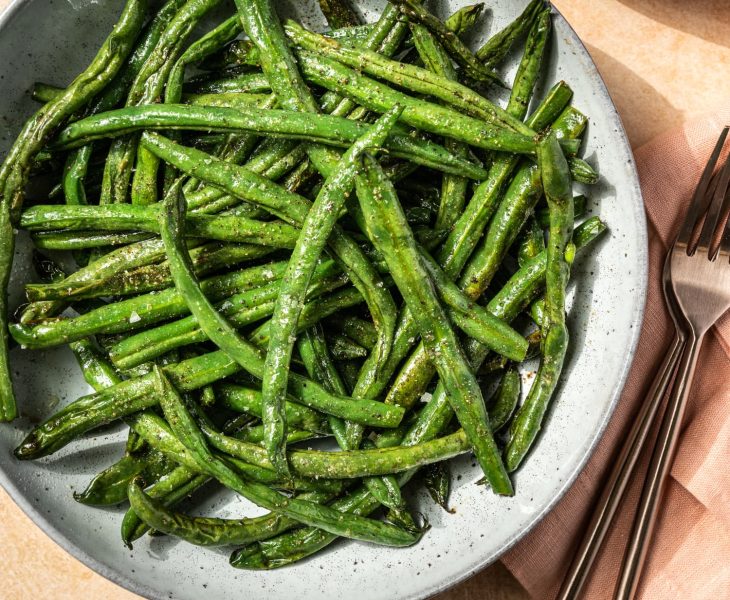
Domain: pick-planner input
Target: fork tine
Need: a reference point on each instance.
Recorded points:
(713, 184)
(724, 249)
(716, 208)
(699, 200)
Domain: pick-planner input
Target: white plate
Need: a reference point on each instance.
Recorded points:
(51, 42)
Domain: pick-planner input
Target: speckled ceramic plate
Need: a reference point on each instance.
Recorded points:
(51, 41)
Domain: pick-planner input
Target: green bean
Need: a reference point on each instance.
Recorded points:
(315, 230)
(385, 36)
(339, 13)
(315, 355)
(280, 67)
(238, 53)
(44, 92)
(304, 511)
(172, 486)
(264, 29)
(468, 229)
(532, 241)
(505, 400)
(346, 464)
(542, 214)
(522, 287)
(288, 548)
(145, 277)
(102, 69)
(343, 348)
(255, 435)
(302, 176)
(464, 19)
(143, 218)
(314, 352)
(248, 401)
(314, 312)
(433, 248)
(110, 486)
(228, 99)
(453, 188)
(582, 172)
(244, 53)
(74, 173)
(143, 310)
(124, 218)
(510, 215)
(204, 531)
(240, 310)
(389, 231)
(83, 240)
(141, 253)
(97, 373)
(417, 113)
(537, 311)
(134, 256)
(14, 170)
(295, 158)
(558, 192)
(437, 479)
(170, 490)
(135, 445)
(415, 79)
(463, 312)
(456, 48)
(211, 42)
(361, 331)
(529, 68)
(493, 52)
(251, 83)
(325, 129)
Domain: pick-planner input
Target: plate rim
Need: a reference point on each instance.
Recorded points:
(134, 586)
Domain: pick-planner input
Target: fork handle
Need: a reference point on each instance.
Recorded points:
(617, 482)
(656, 477)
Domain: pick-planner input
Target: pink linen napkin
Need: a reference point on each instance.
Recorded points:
(690, 554)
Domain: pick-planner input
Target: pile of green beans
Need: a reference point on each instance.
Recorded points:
(299, 244)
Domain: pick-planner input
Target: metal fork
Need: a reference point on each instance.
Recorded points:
(699, 275)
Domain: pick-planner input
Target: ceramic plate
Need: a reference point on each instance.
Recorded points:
(53, 41)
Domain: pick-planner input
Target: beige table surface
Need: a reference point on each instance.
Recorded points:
(663, 61)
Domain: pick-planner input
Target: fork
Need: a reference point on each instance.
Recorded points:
(699, 275)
